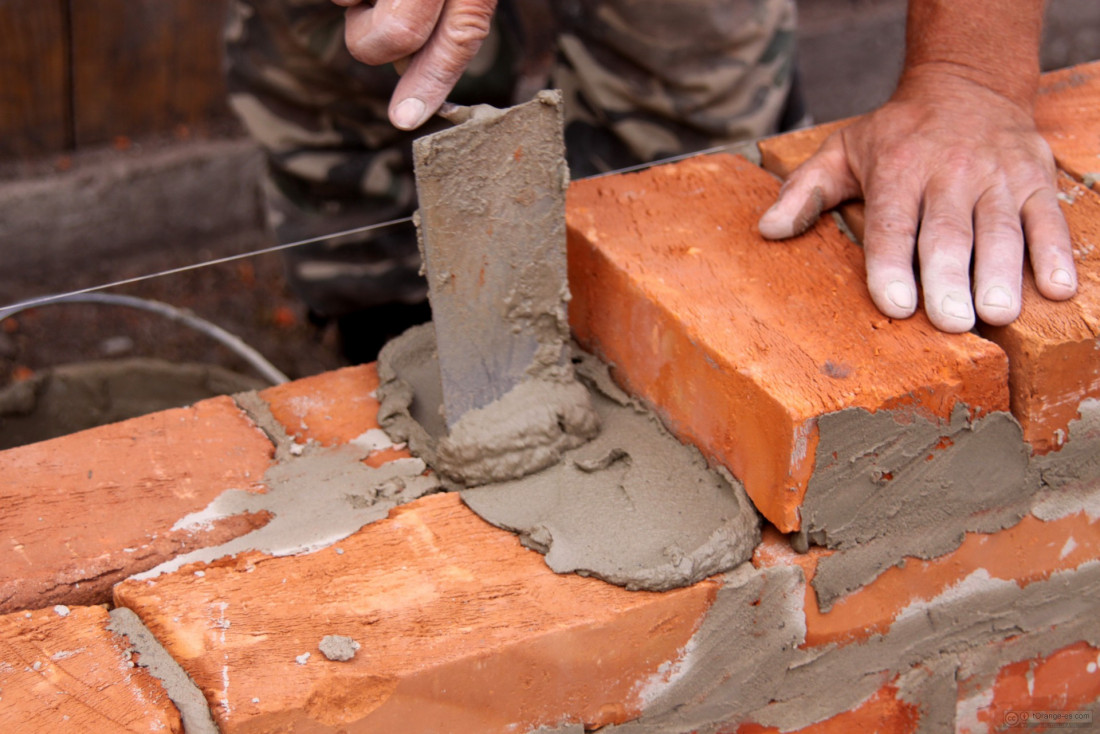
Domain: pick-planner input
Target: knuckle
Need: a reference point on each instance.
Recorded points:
(468, 28)
(392, 38)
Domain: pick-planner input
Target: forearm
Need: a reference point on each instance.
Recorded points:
(994, 43)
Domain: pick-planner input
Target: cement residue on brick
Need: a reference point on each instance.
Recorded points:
(885, 489)
(340, 648)
(745, 663)
(1070, 475)
(187, 697)
(634, 506)
(316, 496)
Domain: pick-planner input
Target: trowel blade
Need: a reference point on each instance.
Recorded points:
(492, 233)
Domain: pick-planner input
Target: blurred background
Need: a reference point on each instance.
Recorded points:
(119, 157)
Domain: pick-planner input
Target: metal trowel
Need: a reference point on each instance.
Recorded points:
(491, 226)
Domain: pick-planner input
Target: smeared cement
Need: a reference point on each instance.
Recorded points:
(1070, 475)
(744, 663)
(634, 506)
(187, 697)
(882, 490)
(316, 495)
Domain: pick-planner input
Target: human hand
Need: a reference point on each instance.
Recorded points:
(949, 168)
(437, 37)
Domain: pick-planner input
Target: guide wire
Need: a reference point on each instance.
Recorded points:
(10, 309)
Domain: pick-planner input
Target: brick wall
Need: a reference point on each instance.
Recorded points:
(972, 606)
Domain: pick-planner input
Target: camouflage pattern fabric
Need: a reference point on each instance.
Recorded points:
(643, 80)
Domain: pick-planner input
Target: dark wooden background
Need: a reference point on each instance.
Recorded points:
(77, 73)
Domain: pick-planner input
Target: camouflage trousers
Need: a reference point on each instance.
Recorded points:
(643, 80)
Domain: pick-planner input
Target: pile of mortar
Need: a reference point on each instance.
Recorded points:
(489, 395)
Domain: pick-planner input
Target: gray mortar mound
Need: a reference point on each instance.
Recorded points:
(633, 506)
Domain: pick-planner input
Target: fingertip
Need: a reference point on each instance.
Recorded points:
(954, 314)
(792, 214)
(998, 306)
(1060, 284)
(774, 225)
(409, 113)
(896, 299)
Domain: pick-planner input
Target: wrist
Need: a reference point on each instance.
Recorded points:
(991, 43)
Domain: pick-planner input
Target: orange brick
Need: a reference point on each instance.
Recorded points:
(84, 511)
(333, 408)
(1067, 112)
(63, 671)
(782, 154)
(882, 713)
(741, 344)
(1027, 552)
(460, 627)
(1054, 362)
(1066, 681)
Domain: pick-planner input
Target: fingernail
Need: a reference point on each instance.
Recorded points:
(997, 297)
(956, 307)
(901, 295)
(407, 114)
(1061, 277)
(772, 225)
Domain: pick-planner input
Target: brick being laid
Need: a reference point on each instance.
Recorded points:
(1052, 346)
(1067, 112)
(63, 670)
(772, 359)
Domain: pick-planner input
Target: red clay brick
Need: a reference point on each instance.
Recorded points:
(1027, 552)
(84, 511)
(1066, 681)
(333, 408)
(1054, 362)
(63, 671)
(742, 344)
(1067, 112)
(782, 154)
(460, 627)
(882, 713)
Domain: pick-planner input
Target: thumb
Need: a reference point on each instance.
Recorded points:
(820, 183)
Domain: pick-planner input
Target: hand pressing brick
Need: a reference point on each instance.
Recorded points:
(746, 347)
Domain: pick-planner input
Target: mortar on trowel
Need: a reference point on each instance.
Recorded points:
(491, 228)
(488, 395)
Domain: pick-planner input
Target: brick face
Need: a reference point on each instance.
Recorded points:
(331, 408)
(1068, 114)
(461, 629)
(1066, 682)
(84, 511)
(740, 343)
(63, 671)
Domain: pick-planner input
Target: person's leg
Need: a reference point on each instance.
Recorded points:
(334, 162)
(648, 79)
